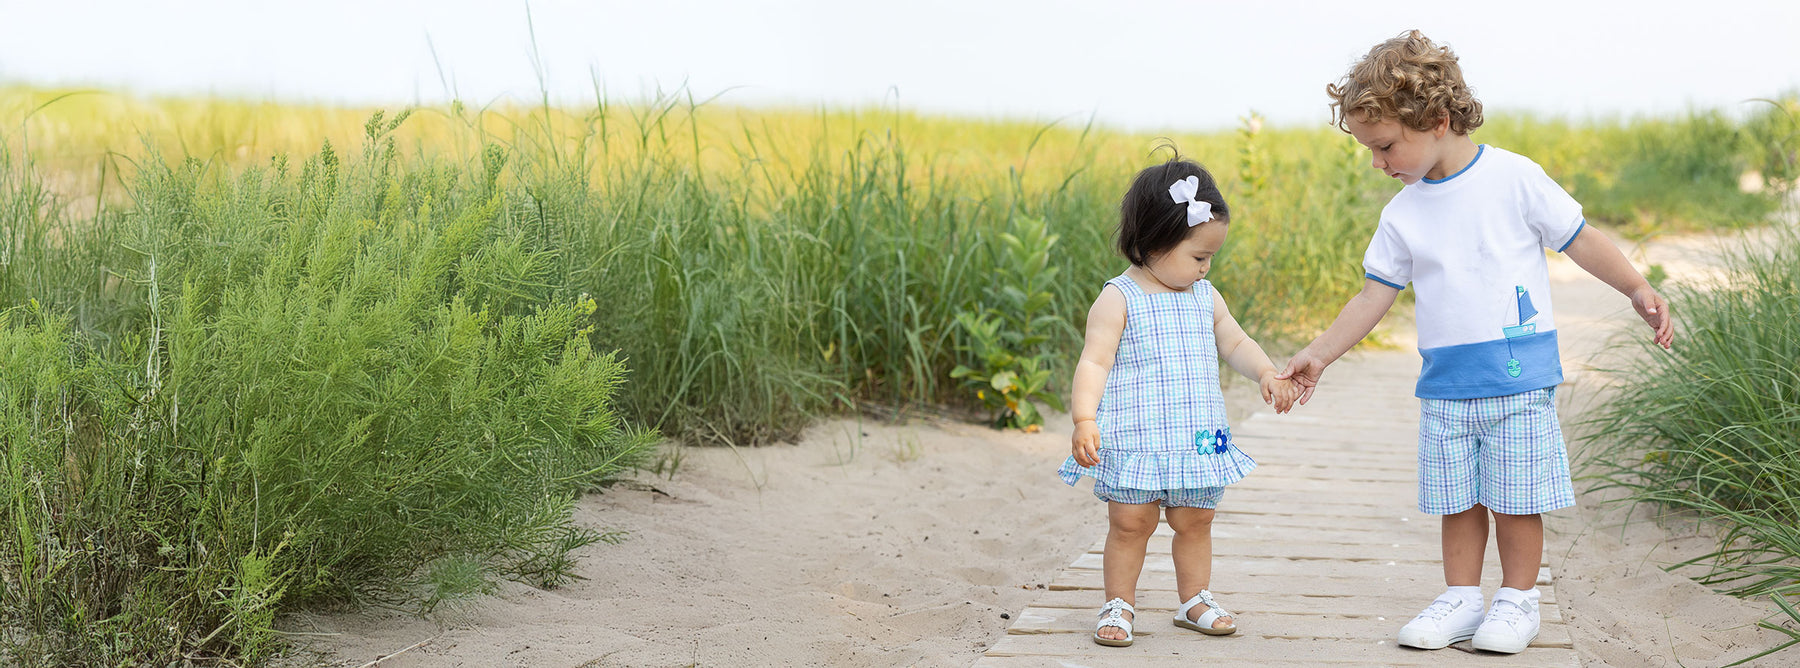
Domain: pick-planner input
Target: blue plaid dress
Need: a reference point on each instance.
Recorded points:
(1162, 416)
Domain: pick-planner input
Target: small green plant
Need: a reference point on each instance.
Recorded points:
(1007, 338)
(669, 460)
(1253, 159)
(907, 448)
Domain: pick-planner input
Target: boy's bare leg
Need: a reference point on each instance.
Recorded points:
(1521, 539)
(1464, 543)
(1126, 539)
(1192, 552)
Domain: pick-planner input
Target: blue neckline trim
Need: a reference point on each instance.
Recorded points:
(1383, 281)
(1577, 233)
(1478, 150)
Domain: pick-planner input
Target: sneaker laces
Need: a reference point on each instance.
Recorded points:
(1511, 614)
(1438, 610)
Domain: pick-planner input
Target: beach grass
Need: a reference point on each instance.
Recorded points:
(1709, 428)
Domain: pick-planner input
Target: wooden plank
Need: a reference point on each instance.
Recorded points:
(1249, 649)
(1310, 421)
(1438, 658)
(1328, 490)
(1350, 554)
(1398, 520)
(1324, 533)
(1247, 497)
(1262, 623)
(1390, 513)
(1379, 606)
(1288, 466)
(1412, 586)
(1259, 568)
(1385, 443)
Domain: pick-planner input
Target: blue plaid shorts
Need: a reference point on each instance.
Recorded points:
(1506, 453)
(1200, 497)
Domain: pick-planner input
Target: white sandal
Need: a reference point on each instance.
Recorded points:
(1205, 623)
(1112, 614)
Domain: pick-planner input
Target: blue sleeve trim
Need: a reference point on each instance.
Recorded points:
(1577, 233)
(1383, 281)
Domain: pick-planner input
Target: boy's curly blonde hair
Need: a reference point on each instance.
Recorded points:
(1408, 78)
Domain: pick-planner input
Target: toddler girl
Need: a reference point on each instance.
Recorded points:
(1149, 414)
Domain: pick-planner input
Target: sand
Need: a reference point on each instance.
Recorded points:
(865, 544)
(876, 544)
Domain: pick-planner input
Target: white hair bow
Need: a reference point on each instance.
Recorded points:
(1183, 191)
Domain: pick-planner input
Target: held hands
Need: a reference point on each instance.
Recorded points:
(1282, 393)
(1085, 444)
(1304, 370)
(1655, 312)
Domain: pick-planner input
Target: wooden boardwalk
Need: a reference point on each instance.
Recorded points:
(1321, 552)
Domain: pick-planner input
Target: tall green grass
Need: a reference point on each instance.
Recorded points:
(1712, 425)
(254, 391)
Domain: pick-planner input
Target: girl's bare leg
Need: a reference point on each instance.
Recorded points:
(1192, 551)
(1126, 539)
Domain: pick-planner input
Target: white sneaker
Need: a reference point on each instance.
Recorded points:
(1511, 623)
(1449, 619)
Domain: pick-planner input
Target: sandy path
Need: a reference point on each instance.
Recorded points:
(874, 544)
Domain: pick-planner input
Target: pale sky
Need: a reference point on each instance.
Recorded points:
(1133, 64)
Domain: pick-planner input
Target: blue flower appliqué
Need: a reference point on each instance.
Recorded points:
(1216, 441)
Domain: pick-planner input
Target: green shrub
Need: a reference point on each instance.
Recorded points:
(331, 389)
(1008, 338)
(1774, 132)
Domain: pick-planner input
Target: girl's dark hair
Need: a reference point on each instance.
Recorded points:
(1151, 222)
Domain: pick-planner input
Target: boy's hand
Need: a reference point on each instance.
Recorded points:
(1304, 369)
(1281, 393)
(1085, 444)
(1655, 312)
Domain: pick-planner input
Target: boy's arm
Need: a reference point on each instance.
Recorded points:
(1357, 319)
(1105, 324)
(1596, 254)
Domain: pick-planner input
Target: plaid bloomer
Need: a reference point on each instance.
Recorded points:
(1163, 435)
(1506, 453)
(1201, 497)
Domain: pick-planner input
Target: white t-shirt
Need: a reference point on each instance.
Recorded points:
(1472, 245)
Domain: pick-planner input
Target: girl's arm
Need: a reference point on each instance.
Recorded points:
(1357, 319)
(1105, 324)
(1247, 357)
(1596, 254)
